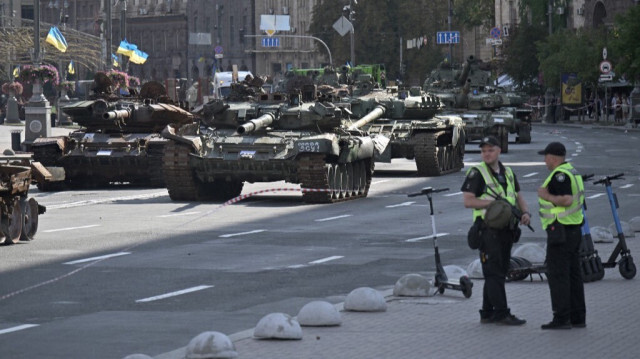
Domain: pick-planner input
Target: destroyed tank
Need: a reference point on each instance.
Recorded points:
(119, 141)
(486, 110)
(272, 137)
(413, 122)
(18, 213)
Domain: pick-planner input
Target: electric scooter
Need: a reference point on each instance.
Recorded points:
(442, 282)
(625, 265)
(590, 262)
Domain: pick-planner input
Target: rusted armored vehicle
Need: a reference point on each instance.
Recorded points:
(18, 213)
(291, 137)
(119, 141)
(486, 110)
(417, 129)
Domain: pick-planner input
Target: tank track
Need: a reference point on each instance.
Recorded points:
(437, 160)
(178, 176)
(48, 155)
(342, 182)
(155, 154)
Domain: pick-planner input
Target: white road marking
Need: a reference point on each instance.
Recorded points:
(578, 150)
(173, 294)
(574, 154)
(510, 164)
(70, 228)
(381, 181)
(403, 204)
(596, 195)
(98, 258)
(530, 174)
(332, 218)
(627, 185)
(427, 237)
(106, 200)
(296, 266)
(577, 143)
(452, 194)
(17, 328)
(177, 214)
(241, 233)
(323, 260)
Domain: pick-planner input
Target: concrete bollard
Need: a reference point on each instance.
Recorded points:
(16, 140)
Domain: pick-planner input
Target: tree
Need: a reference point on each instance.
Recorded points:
(626, 44)
(472, 13)
(521, 64)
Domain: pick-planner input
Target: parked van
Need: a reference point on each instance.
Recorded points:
(222, 82)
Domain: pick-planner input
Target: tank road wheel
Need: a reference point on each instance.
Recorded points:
(503, 138)
(29, 219)
(435, 154)
(12, 223)
(351, 184)
(315, 174)
(181, 181)
(155, 153)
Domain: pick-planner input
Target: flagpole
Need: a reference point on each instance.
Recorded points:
(36, 32)
(123, 32)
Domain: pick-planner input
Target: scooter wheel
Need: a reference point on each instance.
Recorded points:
(627, 267)
(466, 285)
(441, 289)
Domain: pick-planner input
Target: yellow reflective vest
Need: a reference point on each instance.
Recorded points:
(493, 188)
(571, 215)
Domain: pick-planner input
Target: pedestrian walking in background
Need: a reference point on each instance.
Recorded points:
(484, 182)
(561, 198)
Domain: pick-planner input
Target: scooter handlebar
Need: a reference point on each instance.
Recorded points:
(587, 177)
(426, 191)
(609, 179)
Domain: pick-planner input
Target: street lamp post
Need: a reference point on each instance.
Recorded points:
(123, 31)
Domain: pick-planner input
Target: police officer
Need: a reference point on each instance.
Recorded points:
(483, 183)
(561, 197)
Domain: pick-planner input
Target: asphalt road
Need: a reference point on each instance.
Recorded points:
(126, 270)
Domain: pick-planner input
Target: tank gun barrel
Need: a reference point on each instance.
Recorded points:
(256, 124)
(466, 68)
(116, 114)
(375, 114)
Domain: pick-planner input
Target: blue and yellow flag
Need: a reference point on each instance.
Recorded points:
(115, 60)
(16, 72)
(56, 39)
(126, 48)
(70, 69)
(138, 57)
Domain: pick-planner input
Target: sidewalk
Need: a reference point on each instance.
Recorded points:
(448, 326)
(6, 129)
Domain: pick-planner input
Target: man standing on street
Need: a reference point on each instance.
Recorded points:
(561, 198)
(483, 183)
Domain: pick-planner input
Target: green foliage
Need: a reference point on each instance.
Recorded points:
(567, 51)
(626, 44)
(522, 65)
(471, 13)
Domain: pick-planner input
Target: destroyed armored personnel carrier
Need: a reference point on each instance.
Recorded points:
(291, 137)
(486, 110)
(416, 128)
(119, 141)
(18, 213)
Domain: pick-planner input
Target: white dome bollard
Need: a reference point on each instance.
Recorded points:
(365, 299)
(532, 252)
(475, 269)
(211, 345)
(412, 285)
(626, 229)
(319, 314)
(601, 235)
(454, 272)
(635, 224)
(278, 326)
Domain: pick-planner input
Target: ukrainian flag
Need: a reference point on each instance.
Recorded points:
(56, 39)
(115, 60)
(70, 69)
(126, 48)
(138, 57)
(16, 72)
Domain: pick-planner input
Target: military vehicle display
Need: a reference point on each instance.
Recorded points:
(119, 140)
(486, 110)
(416, 129)
(272, 137)
(18, 213)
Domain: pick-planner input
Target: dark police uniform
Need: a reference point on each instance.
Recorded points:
(495, 252)
(563, 263)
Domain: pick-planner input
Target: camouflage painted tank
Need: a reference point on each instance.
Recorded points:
(486, 110)
(416, 128)
(18, 213)
(119, 141)
(274, 137)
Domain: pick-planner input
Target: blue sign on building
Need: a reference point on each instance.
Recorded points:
(448, 37)
(270, 42)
